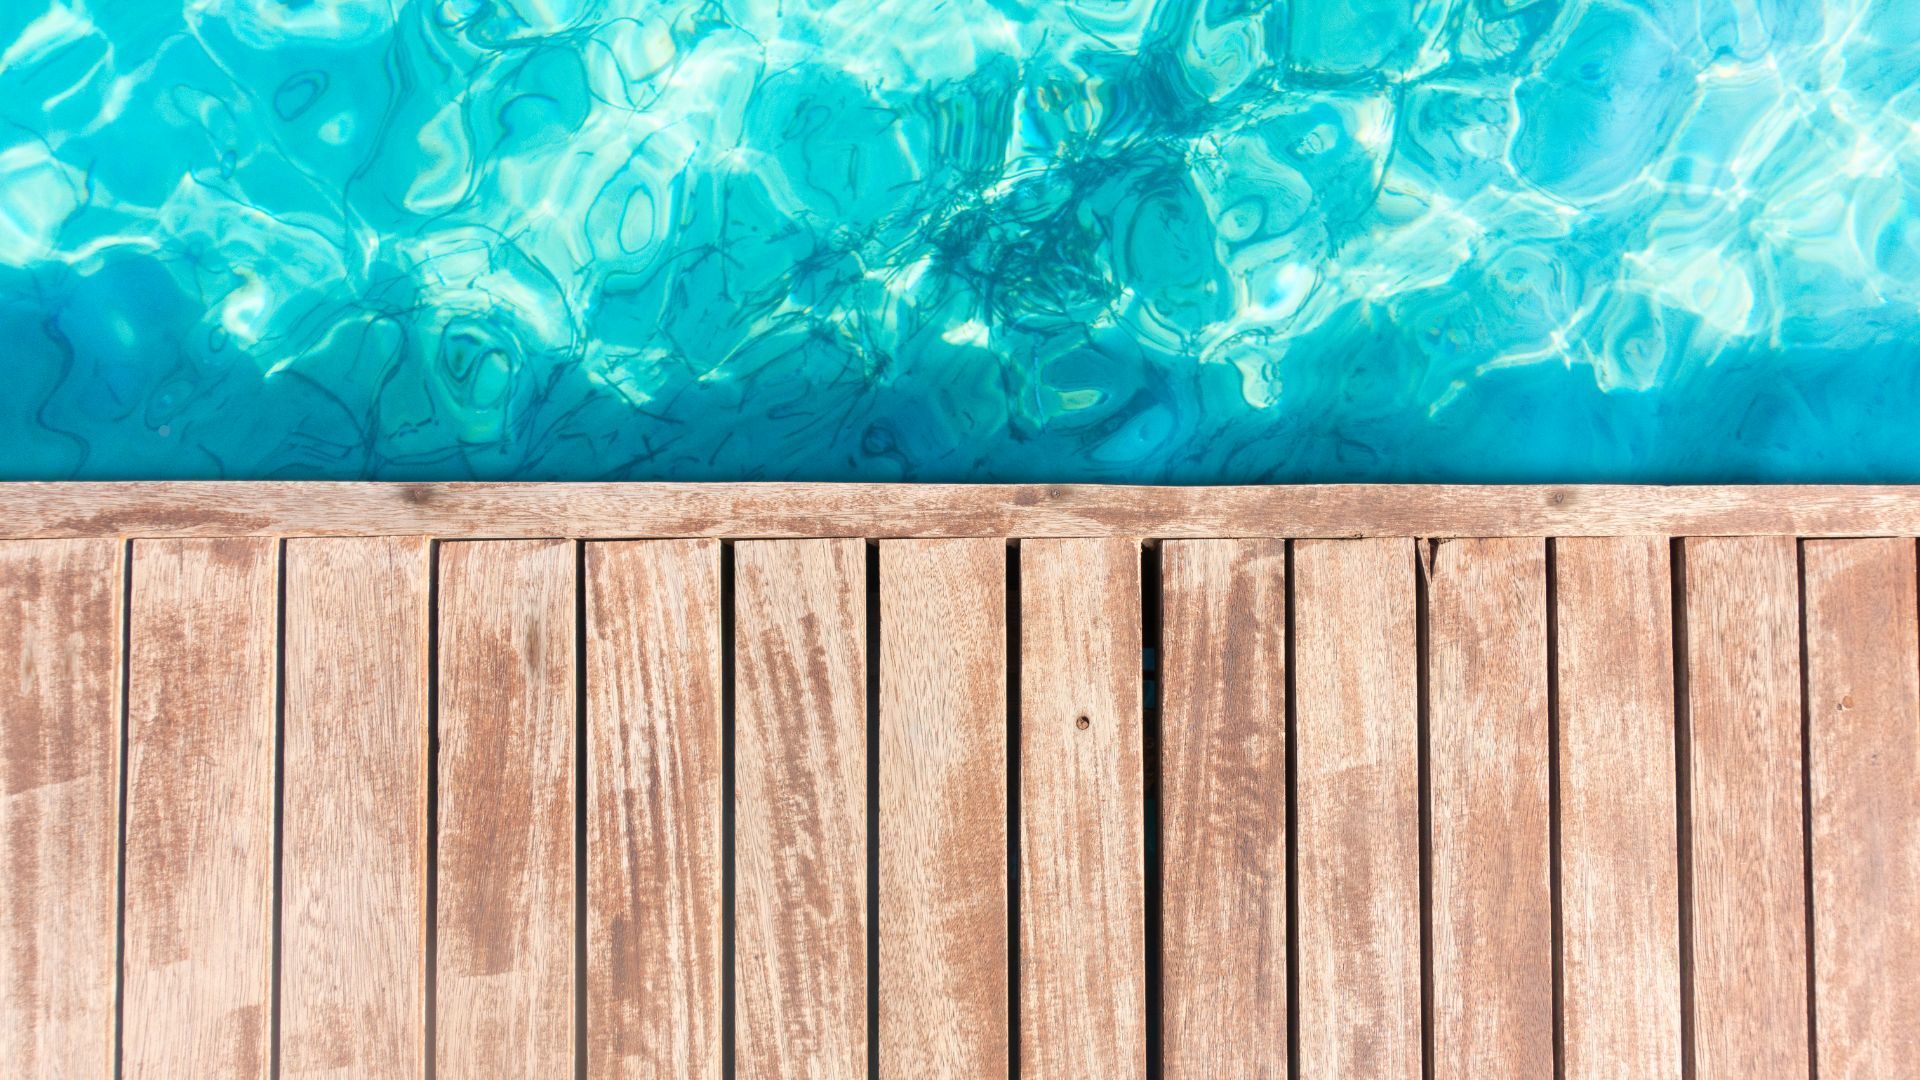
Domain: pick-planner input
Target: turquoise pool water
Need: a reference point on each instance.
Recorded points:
(1153, 240)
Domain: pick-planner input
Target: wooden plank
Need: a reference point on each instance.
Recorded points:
(761, 510)
(1082, 811)
(1488, 752)
(59, 804)
(943, 808)
(1357, 756)
(653, 809)
(1223, 808)
(800, 827)
(200, 769)
(504, 981)
(1619, 870)
(353, 833)
(1863, 698)
(1747, 862)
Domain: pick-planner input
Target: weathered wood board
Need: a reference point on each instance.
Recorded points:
(796, 780)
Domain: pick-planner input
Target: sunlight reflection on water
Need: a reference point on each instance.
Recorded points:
(1155, 240)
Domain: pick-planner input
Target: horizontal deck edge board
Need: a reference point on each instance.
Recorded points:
(148, 509)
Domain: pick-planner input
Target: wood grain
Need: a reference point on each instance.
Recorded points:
(60, 614)
(1863, 698)
(758, 510)
(506, 720)
(943, 808)
(1619, 869)
(200, 759)
(1748, 862)
(1223, 808)
(653, 809)
(800, 826)
(1488, 752)
(1082, 811)
(1357, 760)
(353, 835)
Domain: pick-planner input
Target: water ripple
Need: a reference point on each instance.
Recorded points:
(1152, 240)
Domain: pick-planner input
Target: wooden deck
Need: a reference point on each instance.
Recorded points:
(467, 781)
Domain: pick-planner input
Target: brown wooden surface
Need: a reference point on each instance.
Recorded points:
(750, 510)
(1488, 748)
(1223, 807)
(1508, 845)
(1748, 856)
(59, 804)
(1356, 745)
(653, 809)
(800, 824)
(1863, 708)
(201, 684)
(1619, 867)
(1082, 810)
(353, 862)
(506, 796)
(943, 809)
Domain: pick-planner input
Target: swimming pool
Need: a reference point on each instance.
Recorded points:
(1188, 241)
